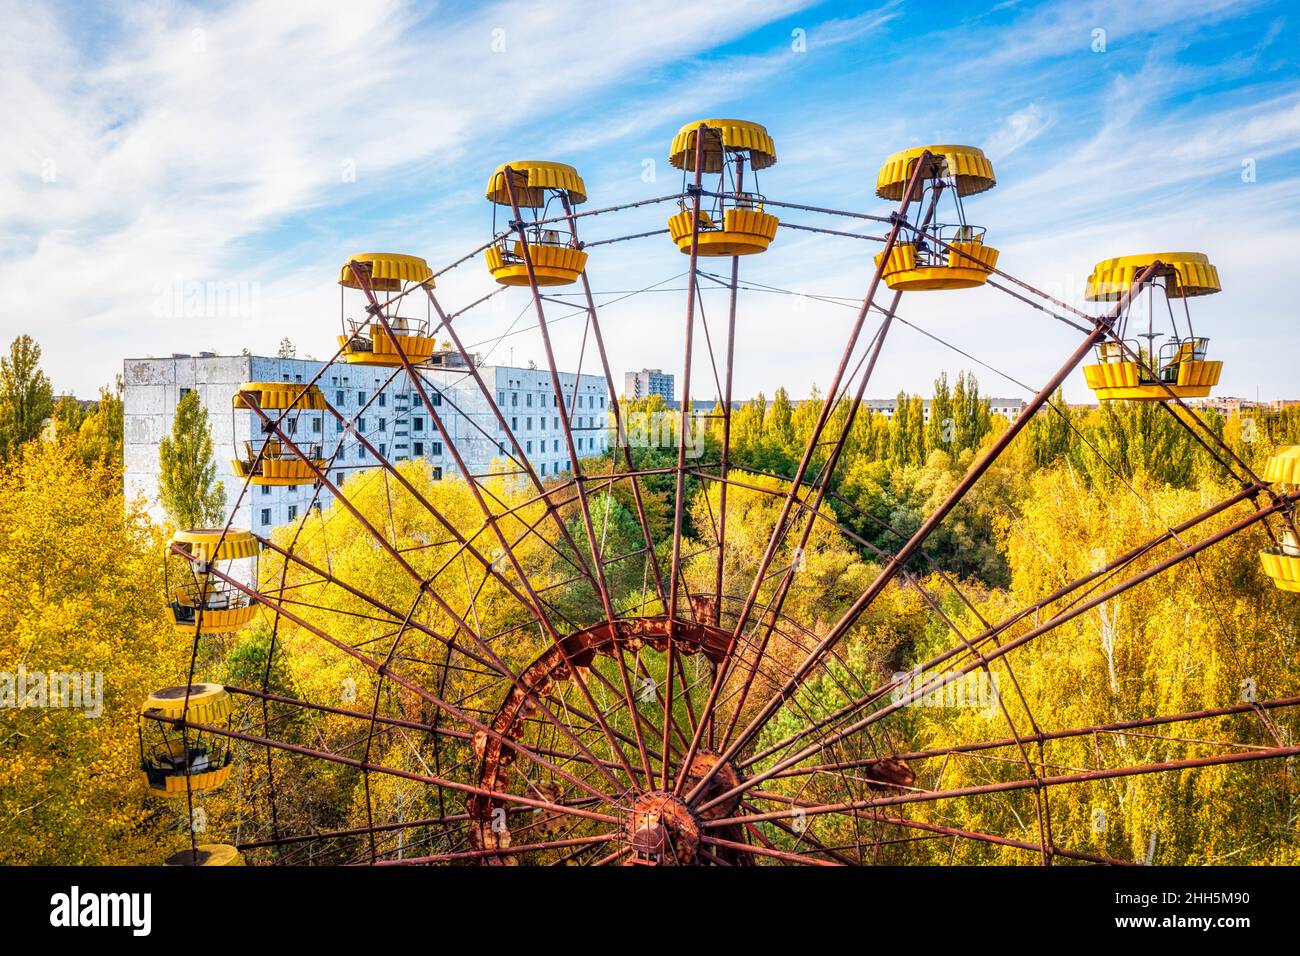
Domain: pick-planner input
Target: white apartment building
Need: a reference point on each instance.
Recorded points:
(383, 407)
(650, 381)
(1009, 408)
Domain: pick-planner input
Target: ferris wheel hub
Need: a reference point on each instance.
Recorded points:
(661, 830)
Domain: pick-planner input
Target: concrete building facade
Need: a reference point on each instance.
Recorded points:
(650, 381)
(388, 413)
(1009, 408)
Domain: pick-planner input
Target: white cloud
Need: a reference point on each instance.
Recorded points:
(1021, 127)
(178, 147)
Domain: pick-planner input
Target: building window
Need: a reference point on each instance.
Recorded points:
(338, 424)
(338, 478)
(266, 516)
(266, 489)
(437, 473)
(514, 423)
(528, 447)
(315, 425)
(514, 399)
(435, 398)
(528, 423)
(555, 444)
(339, 398)
(293, 512)
(419, 448)
(383, 400)
(361, 398)
(418, 424)
(543, 469)
(435, 448)
(361, 425)
(383, 423)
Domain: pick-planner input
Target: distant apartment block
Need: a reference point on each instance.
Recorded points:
(1230, 404)
(1009, 408)
(650, 381)
(395, 421)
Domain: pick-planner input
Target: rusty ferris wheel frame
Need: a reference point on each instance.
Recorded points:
(576, 763)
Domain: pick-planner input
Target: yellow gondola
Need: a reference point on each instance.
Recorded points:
(732, 219)
(202, 603)
(172, 761)
(1178, 368)
(365, 341)
(271, 461)
(951, 255)
(1282, 561)
(208, 854)
(542, 191)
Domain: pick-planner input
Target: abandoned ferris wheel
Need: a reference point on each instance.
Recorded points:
(681, 721)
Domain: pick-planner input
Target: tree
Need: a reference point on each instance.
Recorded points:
(99, 436)
(68, 417)
(287, 349)
(187, 478)
(26, 396)
(939, 430)
(779, 425)
(82, 585)
(900, 449)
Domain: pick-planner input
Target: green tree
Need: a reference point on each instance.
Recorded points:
(939, 430)
(187, 478)
(971, 417)
(26, 396)
(779, 426)
(901, 427)
(68, 417)
(1051, 433)
(99, 436)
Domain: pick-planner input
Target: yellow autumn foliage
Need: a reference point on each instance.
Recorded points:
(80, 586)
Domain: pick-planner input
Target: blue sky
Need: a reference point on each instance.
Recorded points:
(250, 147)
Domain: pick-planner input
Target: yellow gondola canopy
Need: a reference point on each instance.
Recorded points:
(968, 165)
(214, 544)
(731, 135)
(1186, 274)
(281, 395)
(388, 271)
(208, 854)
(1283, 466)
(208, 703)
(1281, 562)
(532, 179)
